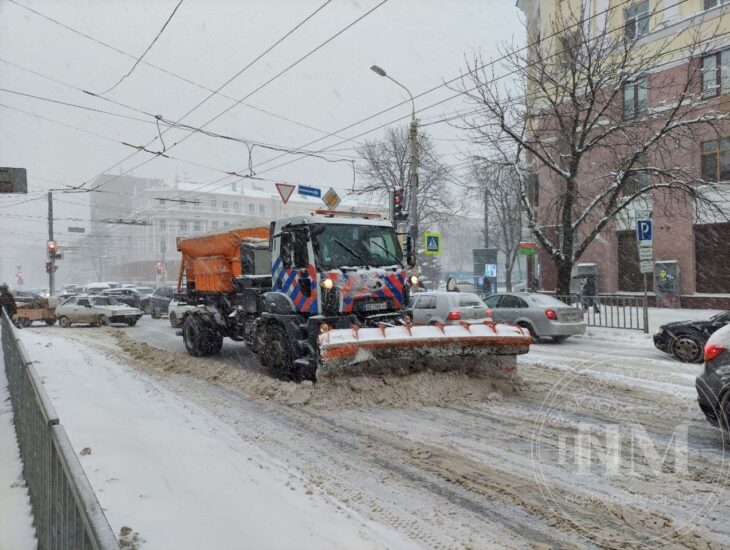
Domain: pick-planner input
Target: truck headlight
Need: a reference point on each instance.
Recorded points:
(327, 284)
(414, 280)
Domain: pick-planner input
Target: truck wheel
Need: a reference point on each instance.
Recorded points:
(50, 322)
(24, 322)
(64, 322)
(277, 353)
(201, 339)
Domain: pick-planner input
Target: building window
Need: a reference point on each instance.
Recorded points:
(635, 98)
(251, 209)
(198, 225)
(262, 209)
(639, 179)
(183, 225)
(532, 185)
(636, 20)
(236, 207)
(163, 225)
(224, 204)
(709, 4)
(716, 74)
(213, 205)
(716, 160)
(215, 224)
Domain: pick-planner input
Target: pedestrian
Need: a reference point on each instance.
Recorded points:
(7, 302)
(589, 293)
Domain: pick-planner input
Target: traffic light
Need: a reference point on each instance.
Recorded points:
(399, 213)
(48, 267)
(159, 267)
(52, 249)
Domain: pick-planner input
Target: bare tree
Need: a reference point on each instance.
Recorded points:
(578, 119)
(387, 167)
(499, 186)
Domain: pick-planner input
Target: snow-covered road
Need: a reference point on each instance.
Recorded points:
(436, 462)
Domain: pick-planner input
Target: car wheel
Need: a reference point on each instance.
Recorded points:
(529, 328)
(147, 308)
(156, 313)
(559, 339)
(132, 321)
(24, 322)
(50, 322)
(687, 348)
(173, 319)
(64, 321)
(723, 413)
(102, 321)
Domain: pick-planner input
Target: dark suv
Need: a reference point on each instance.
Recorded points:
(124, 295)
(159, 301)
(686, 339)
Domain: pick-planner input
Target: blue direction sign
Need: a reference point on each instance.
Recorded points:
(644, 232)
(309, 191)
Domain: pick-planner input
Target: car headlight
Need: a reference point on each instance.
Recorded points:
(659, 331)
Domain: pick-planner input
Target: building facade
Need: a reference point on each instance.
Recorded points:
(687, 234)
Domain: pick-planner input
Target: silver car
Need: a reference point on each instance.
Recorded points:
(96, 311)
(447, 307)
(176, 310)
(542, 315)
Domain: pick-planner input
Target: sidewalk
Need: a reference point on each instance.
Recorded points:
(16, 520)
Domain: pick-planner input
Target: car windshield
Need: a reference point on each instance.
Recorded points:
(342, 245)
(105, 301)
(144, 291)
(722, 316)
(470, 300)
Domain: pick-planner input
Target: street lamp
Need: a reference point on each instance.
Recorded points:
(413, 183)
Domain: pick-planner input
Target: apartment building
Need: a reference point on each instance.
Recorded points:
(692, 236)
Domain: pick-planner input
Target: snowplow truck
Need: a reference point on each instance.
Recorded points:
(323, 295)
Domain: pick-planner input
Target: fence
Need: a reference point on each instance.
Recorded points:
(66, 513)
(610, 311)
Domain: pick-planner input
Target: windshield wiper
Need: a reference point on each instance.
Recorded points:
(388, 252)
(350, 250)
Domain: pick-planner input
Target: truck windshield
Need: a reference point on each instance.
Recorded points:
(340, 245)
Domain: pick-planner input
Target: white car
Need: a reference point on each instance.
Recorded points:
(96, 311)
(176, 310)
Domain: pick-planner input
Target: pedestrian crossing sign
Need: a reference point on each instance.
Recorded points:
(432, 244)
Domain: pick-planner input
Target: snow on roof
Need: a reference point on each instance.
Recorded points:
(347, 219)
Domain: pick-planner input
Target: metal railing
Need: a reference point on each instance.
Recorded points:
(66, 513)
(610, 311)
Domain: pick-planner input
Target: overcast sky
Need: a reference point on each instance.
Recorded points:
(422, 43)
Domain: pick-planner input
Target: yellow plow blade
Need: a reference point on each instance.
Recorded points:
(483, 348)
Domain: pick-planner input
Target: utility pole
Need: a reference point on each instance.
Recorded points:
(52, 258)
(413, 180)
(486, 217)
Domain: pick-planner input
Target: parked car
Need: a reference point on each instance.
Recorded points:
(177, 308)
(125, 295)
(160, 300)
(97, 311)
(542, 315)
(713, 385)
(94, 288)
(25, 296)
(686, 339)
(447, 307)
(144, 292)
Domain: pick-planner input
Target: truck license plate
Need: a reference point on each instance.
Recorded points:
(375, 306)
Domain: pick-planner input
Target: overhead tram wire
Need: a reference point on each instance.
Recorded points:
(269, 81)
(161, 69)
(157, 36)
(450, 98)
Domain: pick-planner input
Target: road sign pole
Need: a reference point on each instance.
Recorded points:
(646, 308)
(51, 273)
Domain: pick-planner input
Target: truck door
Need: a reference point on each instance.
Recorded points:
(293, 270)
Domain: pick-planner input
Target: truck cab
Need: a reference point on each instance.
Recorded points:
(332, 264)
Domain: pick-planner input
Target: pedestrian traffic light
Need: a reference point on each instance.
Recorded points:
(52, 249)
(398, 211)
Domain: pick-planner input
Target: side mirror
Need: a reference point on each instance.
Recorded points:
(410, 251)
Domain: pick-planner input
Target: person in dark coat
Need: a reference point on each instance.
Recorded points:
(589, 293)
(7, 301)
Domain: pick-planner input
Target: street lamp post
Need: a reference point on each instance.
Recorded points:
(413, 181)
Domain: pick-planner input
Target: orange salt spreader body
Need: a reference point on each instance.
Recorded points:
(210, 262)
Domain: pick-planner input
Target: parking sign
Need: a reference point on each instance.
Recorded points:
(644, 232)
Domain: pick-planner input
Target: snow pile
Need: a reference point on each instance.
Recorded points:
(421, 389)
(170, 475)
(16, 519)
